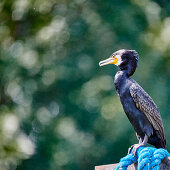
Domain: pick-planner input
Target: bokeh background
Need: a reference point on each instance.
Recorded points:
(58, 109)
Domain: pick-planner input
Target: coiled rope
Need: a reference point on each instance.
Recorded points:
(148, 158)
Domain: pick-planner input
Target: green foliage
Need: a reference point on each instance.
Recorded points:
(59, 110)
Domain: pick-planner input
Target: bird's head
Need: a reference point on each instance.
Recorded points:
(124, 59)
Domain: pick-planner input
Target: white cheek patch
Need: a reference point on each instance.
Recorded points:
(119, 60)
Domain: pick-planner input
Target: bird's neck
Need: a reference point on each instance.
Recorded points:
(120, 79)
(129, 68)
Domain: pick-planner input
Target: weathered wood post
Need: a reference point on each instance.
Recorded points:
(165, 165)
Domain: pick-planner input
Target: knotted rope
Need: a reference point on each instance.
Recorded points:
(148, 158)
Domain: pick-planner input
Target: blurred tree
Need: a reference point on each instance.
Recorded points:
(59, 110)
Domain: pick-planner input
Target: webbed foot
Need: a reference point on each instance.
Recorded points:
(133, 149)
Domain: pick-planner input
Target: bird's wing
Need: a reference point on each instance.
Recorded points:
(147, 106)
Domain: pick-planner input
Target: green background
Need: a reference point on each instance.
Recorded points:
(58, 109)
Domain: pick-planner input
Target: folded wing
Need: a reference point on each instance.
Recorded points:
(147, 106)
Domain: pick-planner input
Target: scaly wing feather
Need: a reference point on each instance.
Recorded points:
(147, 106)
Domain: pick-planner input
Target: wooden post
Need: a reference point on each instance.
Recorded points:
(165, 165)
(113, 166)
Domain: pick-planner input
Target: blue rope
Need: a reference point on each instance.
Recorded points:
(148, 158)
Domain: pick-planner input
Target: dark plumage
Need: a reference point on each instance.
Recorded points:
(139, 107)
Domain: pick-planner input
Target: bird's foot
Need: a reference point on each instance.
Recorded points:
(133, 149)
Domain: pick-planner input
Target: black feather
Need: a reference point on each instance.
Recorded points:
(139, 107)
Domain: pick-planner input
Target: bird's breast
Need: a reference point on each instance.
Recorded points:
(137, 119)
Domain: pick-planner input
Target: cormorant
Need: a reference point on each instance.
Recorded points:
(139, 107)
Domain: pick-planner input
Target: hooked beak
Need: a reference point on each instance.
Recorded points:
(110, 60)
